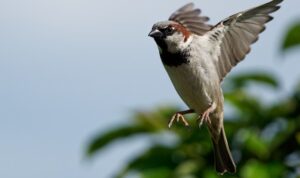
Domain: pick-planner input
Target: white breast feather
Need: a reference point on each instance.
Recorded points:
(192, 80)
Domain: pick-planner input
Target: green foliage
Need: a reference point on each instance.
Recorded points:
(292, 37)
(242, 80)
(259, 148)
(123, 132)
(254, 169)
(263, 138)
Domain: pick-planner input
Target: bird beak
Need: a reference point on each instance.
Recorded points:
(155, 33)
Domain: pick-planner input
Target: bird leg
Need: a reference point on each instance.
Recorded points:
(205, 116)
(179, 116)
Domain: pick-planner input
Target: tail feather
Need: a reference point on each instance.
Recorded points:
(223, 159)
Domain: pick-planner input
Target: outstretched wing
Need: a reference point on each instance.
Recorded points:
(191, 19)
(234, 35)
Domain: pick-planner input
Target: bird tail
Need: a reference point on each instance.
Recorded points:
(223, 158)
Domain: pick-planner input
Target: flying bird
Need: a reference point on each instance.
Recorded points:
(197, 56)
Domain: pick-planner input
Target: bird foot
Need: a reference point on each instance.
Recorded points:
(205, 116)
(179, 117)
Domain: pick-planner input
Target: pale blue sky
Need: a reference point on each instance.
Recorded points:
(69, 69)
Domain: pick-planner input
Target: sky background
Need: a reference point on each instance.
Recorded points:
(72, 69)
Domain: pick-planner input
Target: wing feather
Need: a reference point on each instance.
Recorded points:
(238, 32)
(191, 19)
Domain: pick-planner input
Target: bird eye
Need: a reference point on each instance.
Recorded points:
(169, 30)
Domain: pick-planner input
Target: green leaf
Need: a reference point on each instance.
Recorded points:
(255, 144)
(211, 173)
(246, 105)
(105, 138)
(292, 37)
(187, 168)
(242, 80)
(142, 122)
(149, 159)
(254, 169)
(154, 158)
(157, 173)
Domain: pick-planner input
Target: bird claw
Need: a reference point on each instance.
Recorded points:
(204, 118)
(178, 117)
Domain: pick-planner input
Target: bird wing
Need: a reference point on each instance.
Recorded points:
(191, 19)
(234, 35)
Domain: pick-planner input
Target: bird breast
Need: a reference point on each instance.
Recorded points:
(194, 83)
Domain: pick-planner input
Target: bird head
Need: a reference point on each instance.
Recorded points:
(170, 36)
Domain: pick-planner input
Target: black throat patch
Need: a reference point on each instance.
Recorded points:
(172, 59)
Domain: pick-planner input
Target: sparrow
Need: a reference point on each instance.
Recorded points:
(197, 56)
